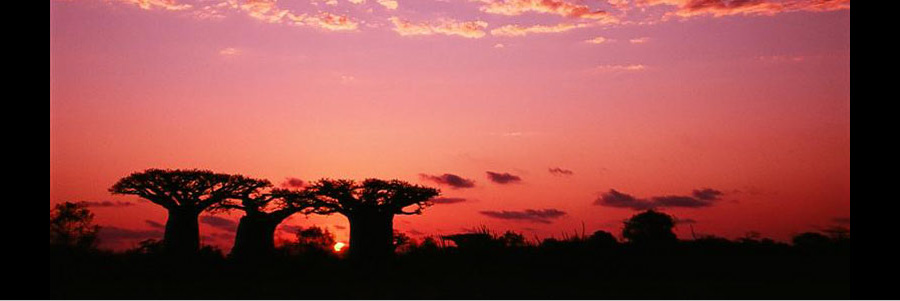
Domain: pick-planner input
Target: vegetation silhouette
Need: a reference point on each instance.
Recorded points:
(184, 194)
(370, 207)
(264, 209)
(650, 262)
(71, 226)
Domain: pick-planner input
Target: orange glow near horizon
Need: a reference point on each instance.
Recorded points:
(655, 100)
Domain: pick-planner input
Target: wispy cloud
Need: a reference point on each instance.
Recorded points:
(543, 216)
(503, 178)
(451, 180)
(159, 4)
(698, 198)
(721, 8)
(450, 27)
(560, 171)
(615, 68)
(105, 204)
(514, 30)
(556, 7)
(389, 4)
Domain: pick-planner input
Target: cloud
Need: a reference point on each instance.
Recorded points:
(230, 51)
(499, 45)
(447, 200)
(560, 171)
(639, 40)
(267, 11)
(720, 8)
(112, 234)
(503, 178)
(620, 68)
(450, 27)
(357, 1)
(161, 4)
(292, 182)
(332, 22)
(707, 194)
(597, 40)
(518, 30)
(155, 224)
(219, 223)
(389, 4)
(451, 180)
(556, 7)
(105, 204)
(705, 197)
(543, 216)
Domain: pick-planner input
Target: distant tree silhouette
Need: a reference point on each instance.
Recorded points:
(370, 207)
(650, 228)
(315, 241)
(184, 194)
(263, 211)
(71, 226)
(602, 239)
(812, 241)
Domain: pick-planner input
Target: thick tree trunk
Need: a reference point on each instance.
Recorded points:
(371, 237)
(182, 235)
(255, 237)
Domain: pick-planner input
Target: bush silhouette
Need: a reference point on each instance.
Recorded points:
(71, 226)
(650, 229)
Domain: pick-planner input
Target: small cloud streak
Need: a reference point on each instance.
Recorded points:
(451, 180)
(721, 8)
(621, 68)
(159, 4)
(555, 7)
(389, 4)
(230, 51)
(514, 30)
(556, 171)
(450, 27)
(639, 40)
(219, 223)
(105, 204)
(292, 182)
(543, 216)
(699, 198)
(447, 200)
(503, 178)
(597, 40)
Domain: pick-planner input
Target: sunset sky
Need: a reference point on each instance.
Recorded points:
(530, 115)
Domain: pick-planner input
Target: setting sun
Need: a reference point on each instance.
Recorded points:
(339, 246)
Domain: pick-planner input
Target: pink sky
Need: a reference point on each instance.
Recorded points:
(647, 97)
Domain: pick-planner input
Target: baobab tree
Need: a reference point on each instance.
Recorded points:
(184, 194)
(264, 209)
(370, 207)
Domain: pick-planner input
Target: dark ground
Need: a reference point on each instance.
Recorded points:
(688, 271)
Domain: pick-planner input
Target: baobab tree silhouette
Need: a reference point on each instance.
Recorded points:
(370, 207)
(184, 194)
(264, 209)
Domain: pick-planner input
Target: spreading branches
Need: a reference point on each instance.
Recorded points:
(373, 195)
(192, 189)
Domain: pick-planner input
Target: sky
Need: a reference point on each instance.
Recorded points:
(546, 117)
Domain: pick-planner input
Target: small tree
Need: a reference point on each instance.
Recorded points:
(71, 226)
(184, 194)
(263, 212)
(370, 207)
(650, 228)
